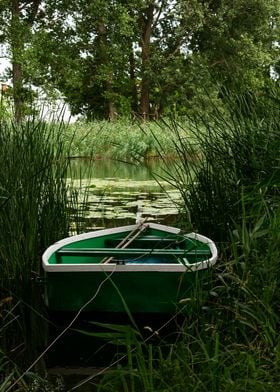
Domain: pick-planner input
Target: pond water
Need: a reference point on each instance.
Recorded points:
(113, 193)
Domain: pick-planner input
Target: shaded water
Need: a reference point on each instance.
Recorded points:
(113, 193)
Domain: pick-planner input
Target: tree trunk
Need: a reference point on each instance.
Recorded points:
(17, 49)
(109, 104)
(133, 87)
(111, 109)
(18, 30)
(146, 20)
(17, 90)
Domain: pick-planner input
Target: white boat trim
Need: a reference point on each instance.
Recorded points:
(107, 268)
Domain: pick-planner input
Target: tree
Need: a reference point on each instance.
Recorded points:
(18, 18)
(110, 58)
(120, 54)
(92, 65)
(236, 42)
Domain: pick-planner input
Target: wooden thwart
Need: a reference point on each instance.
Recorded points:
(95, 252)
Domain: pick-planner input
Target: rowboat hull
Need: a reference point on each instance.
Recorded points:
(84, 273)
(149, 292)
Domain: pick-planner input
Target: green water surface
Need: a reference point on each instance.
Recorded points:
(113, 193)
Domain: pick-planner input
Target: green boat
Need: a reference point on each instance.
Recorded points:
(144, 268)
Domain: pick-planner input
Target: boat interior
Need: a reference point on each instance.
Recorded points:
(148, 250)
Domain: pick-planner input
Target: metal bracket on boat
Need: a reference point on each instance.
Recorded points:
(119, 262)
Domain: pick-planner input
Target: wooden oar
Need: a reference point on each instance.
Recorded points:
(120, 245)
(128, 239)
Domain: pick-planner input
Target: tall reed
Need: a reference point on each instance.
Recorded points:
(33, 214)
(121, 140)
(224, 157)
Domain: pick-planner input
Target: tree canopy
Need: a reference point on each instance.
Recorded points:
(146, 58)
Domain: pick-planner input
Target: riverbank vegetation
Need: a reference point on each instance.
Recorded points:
(122, 140)
(35, 206)
(229, 339)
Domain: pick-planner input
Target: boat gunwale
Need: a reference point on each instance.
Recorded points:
(183, 266)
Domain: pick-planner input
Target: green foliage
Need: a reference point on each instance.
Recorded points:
(34, 213)
(237, 42)
(121, 140)
(17, 19)
(5, 107)
(234, 155)
(120, 58)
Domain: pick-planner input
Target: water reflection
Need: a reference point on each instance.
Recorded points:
(109, 168)
(113, 193)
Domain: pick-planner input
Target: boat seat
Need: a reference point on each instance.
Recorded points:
(147, 242)
(128, 252)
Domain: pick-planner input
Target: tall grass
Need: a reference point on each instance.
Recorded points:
(229, 159)
(33, 214)
(123, 140)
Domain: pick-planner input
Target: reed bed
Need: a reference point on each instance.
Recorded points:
(122, 140)
(226, 163)
(33, 214)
